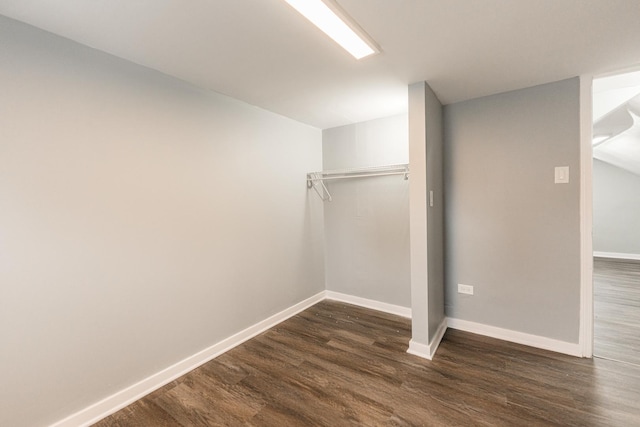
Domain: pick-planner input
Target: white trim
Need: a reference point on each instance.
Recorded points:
(398, 310)
(616, 255)
(572, 349)
(585, 332)
(420, 350)
(437, 339)
(122, 398)
(429, 351)
(435, 342)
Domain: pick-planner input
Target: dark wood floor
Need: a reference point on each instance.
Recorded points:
(616, 301)
(340, 365)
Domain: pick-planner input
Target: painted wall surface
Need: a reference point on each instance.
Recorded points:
(510, 231)
(435, 210)
(141, 221)
(418, 215)
(616, 209)
(426, 221)
(367, 223)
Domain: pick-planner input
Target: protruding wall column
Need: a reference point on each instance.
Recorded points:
(426, 220)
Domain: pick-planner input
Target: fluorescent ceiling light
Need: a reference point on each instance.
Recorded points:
(334, 22)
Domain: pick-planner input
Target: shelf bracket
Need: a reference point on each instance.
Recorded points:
(314, 181)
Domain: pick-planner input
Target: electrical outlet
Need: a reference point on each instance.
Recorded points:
(465, 289)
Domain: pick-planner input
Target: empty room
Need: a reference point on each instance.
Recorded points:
(319, 213)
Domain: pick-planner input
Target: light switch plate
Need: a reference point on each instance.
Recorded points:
(562, 175)
(465, 289)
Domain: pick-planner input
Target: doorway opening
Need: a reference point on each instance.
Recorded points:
(616, 217)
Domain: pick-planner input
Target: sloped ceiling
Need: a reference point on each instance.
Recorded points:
(616, 125)
(264, 53)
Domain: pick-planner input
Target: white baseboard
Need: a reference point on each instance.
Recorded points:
(429, 351)
(368, 303)
(616, 255)
(572, 349)
(420, 350)
(122, 398)
(435, 342)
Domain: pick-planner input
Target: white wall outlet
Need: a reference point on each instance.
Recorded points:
(465, 289)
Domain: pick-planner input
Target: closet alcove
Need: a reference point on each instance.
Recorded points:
(383, 206)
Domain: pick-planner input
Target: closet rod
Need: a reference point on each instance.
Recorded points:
(324, 178)
(315, 179)
(360, 172)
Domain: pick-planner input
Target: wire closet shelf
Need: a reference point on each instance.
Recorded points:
(316, 180)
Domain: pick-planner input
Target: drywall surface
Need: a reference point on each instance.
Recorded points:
(367, 223)
(141, 221)
(435, 210)
(418, 214)
(616, 210)
(510, 231)
(427, 215)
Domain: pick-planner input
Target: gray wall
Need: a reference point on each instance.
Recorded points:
(616, 209)
(435, 213)
(367, 223)
(141, 220)
(511, 232)
(426, 222)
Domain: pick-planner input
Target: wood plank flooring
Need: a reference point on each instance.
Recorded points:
(616, 305)
(341, 365)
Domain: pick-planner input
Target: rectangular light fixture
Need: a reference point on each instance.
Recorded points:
(328, 16)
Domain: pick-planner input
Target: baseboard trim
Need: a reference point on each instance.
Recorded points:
(616, 255)
(368, 303)
(572, 349)
(428, 351)
(122, 398)
(419, 349)
(435, 342)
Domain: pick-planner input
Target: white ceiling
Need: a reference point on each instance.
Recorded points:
(264, 53)
(616, 120)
